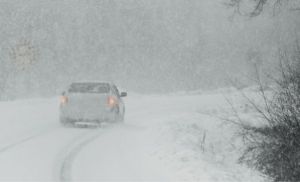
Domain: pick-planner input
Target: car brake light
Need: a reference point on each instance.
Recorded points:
(111, 101)
(63, 99)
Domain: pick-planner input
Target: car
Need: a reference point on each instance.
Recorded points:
(91, 103)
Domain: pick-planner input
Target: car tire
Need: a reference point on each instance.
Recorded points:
(64, 122)
(118, 118)
(121, 119)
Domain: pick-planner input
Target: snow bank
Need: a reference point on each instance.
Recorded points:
(193, 140)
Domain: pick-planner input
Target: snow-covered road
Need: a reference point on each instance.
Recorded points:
(164, 138)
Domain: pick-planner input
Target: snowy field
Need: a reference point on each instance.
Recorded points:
(171, 137)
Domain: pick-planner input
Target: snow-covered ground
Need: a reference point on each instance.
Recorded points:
(172, 137)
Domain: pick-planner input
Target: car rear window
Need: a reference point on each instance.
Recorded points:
(89, 88)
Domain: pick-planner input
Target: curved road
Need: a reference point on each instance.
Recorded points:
(43, 150)
(157, 142)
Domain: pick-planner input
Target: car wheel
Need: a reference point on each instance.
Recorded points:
(123, 115)
(118, 117)
(121, 118)
(64, 122)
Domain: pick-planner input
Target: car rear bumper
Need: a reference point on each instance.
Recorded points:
(96, 120)
(67, 115)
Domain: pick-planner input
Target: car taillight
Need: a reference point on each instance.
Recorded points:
(63, 100)
(112, 101)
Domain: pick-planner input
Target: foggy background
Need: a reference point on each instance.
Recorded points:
(146, 46)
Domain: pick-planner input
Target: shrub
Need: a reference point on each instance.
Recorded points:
(274, 148)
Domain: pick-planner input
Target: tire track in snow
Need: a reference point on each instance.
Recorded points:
(70, 152)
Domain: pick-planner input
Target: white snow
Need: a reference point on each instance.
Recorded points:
(172, 137)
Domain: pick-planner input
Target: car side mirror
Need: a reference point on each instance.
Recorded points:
(123, 94)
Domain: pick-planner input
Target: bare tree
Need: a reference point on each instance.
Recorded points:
(257, 6)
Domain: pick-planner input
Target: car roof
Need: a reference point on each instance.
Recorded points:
(97, 82)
